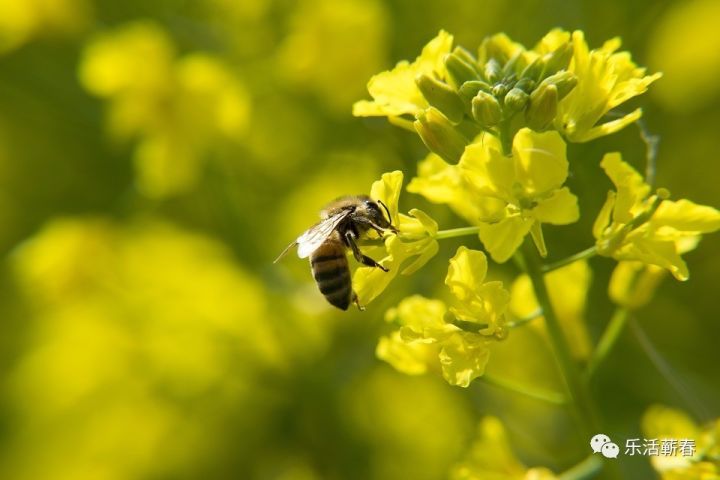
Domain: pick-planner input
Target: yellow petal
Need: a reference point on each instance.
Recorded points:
(429, 249)
(369, 282)
(629, 184)
(387, 190)
(490, 455)
(664, 422)
(466, 272)
(487, 170)
(408, 358)
(686, 216)
(654, 252)
(395, 93)
(422, 320)
(606, 128)
(604, 217)
(463, 358)
(632, 284)
(540, 161)
(552, 40)
(501, 239)
(560, 209)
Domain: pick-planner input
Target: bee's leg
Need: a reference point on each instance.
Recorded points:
(357, 302)
(380, 230)
(364, 259)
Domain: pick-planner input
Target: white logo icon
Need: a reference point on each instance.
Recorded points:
(601, 443)
(610, 450)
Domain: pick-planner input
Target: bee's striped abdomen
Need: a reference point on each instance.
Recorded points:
(332, 273)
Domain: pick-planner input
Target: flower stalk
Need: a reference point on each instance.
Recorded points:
(553, 398)
(607, 340)
(584, 254)
(577, 389)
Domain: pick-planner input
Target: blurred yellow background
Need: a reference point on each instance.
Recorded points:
(155, 157)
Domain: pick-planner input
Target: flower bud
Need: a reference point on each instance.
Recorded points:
(500, 90)
(492, 70)
(559, 59)
(509, 67)
(439, 135)
(459, 70)
(526, 85)
(441, 96)
(543, 107)
(516, 99)
(468, 90)
(534, 71)
(465, 56)
(486, 109)
(564, 81)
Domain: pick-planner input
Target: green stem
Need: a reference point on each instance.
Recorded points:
(607, 340)
(456, 232)
(577, 389)
(554, 398)
(475, 327)
(586, 469)
(651, 149)
(505, 137)
(522, 321)
(587, 253)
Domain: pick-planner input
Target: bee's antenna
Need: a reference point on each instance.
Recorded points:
(386, 209)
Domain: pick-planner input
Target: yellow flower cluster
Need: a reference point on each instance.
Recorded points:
(23, 21)
(497, 124)
(176, 107)
(119, 314)
(454, 340)
(634, 225)
(559, 84)
(662, 422)
(491, 456)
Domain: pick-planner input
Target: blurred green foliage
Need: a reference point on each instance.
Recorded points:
(156, 156)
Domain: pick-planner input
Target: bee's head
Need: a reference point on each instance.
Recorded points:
(377, 212)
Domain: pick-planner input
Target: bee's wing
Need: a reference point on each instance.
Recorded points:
(309, 241)
(284, 252)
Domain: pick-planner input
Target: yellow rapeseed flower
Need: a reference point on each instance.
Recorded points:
(491, 456)
(415, 239)
(664, 423)
(22, 21)
(634, 225)
(444, 183)
(178, 109)
(428, 341)
(395, 92)
(525, 187)
(133, 323)
(605, 80)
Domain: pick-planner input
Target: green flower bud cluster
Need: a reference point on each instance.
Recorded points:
(503, 82)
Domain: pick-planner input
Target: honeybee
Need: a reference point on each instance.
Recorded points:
(342, 223)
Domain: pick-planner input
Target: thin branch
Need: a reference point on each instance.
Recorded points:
(607, 340)
(666, 370)
(587, 253)
(651, 150)
(584, 470)
(554, 398)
